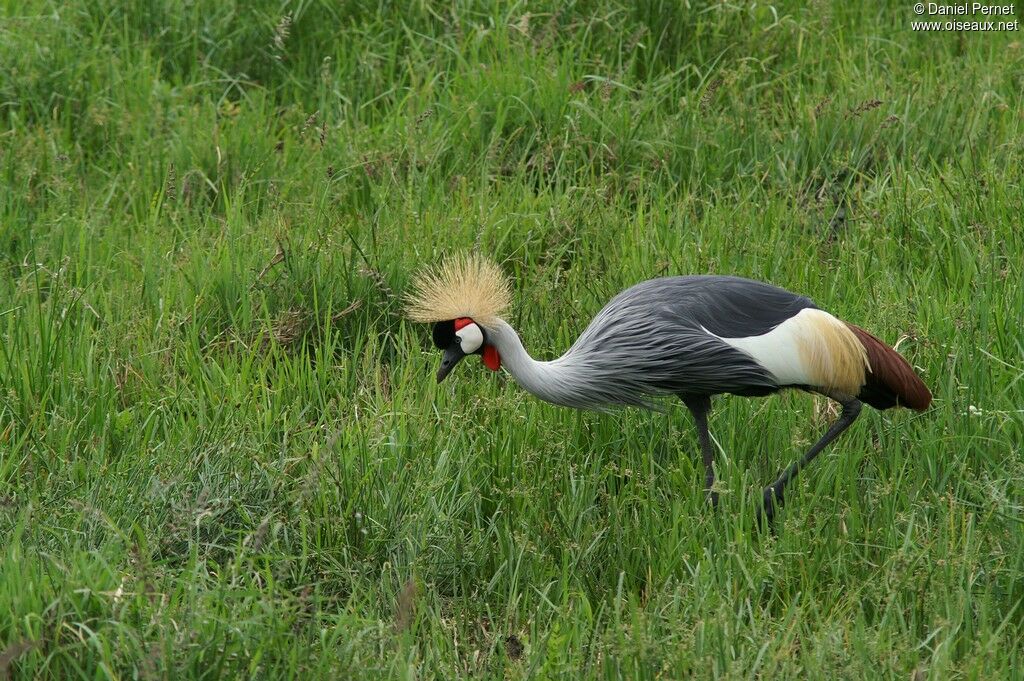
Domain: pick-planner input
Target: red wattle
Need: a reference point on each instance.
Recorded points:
(491, 358)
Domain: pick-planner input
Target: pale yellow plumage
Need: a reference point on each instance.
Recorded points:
(464, 285)
(835, 359)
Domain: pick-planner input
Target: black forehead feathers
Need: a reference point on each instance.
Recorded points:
(444, 334)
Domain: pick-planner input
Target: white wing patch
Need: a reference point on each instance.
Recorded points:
(777, 351)
(810, 348)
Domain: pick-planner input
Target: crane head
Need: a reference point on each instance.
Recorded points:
(459, 338)
(462, 297)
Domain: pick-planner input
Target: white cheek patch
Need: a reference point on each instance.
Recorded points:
(471, 338)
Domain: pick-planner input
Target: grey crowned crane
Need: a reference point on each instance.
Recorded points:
(689, 336)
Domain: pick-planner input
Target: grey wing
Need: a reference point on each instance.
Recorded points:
(730, 307)
(661, 337)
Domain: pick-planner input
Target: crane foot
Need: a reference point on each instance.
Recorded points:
(772, 500)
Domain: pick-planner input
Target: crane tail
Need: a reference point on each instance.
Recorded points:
(891, 382)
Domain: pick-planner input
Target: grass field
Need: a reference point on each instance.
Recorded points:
(223, 453)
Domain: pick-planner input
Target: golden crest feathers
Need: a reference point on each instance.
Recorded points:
(464, 285)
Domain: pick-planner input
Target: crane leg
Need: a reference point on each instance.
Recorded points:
(699, 407)
(773, 494)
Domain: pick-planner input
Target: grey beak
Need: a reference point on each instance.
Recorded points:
(452, 356)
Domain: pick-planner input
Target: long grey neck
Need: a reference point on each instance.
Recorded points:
(550, 381)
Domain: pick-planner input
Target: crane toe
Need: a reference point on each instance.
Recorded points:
(772, 500)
